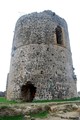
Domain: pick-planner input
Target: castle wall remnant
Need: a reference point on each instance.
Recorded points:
(41, 62)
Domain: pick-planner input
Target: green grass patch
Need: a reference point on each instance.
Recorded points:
(41, 114)
(61, 100)
(4, 100)
(4, 107)
(19, 117)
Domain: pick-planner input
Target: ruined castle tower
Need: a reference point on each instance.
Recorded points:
(41, 61)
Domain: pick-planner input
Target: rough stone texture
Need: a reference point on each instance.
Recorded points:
(38, 56)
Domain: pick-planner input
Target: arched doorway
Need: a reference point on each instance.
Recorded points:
(28, 92)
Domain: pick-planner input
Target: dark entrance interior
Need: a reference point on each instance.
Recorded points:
(59, 35)
(28, 92)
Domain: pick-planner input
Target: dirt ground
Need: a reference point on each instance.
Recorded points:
(57, 111)
(64, 111)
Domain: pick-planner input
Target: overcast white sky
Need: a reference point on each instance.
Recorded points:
(11, 10)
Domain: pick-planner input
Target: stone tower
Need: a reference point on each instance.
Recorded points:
(41, 61)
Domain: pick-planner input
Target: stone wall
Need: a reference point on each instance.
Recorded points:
(41, 56)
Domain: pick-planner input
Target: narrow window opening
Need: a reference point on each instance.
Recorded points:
(59, 35)
(47, 49)
(41, 72)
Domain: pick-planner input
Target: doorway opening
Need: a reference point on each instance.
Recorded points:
(28, 92)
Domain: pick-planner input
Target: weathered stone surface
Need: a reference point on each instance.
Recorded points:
(74, 106)
(27, 117)
(41, 54)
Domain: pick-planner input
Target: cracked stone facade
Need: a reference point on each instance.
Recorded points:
(41, 54)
